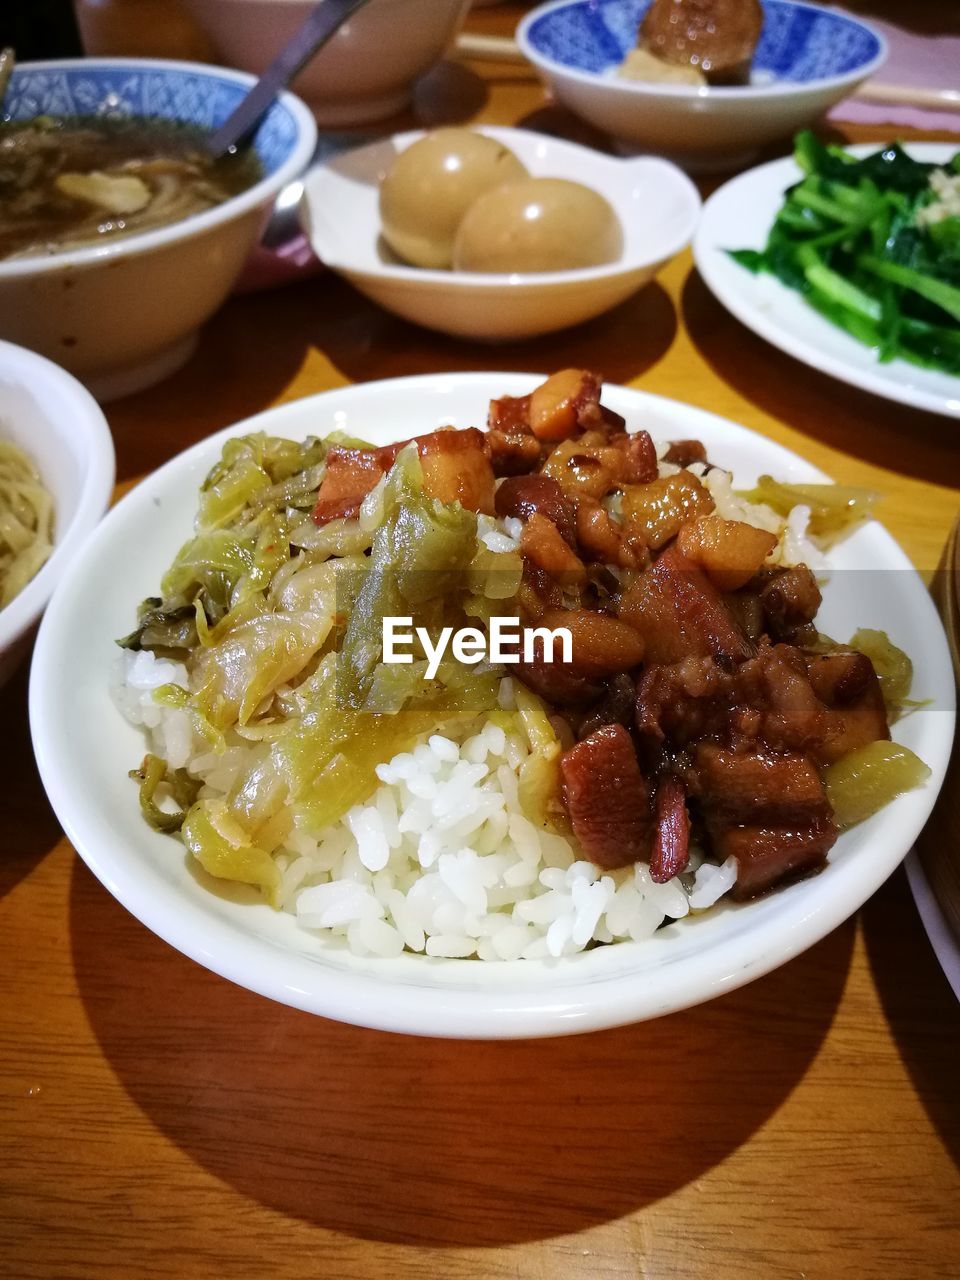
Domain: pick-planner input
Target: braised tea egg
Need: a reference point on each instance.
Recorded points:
(432, 184)
(538, 224)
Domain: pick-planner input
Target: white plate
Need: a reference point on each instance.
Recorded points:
(656, 203)
(84, 750)
(942, 938)
(739, 216)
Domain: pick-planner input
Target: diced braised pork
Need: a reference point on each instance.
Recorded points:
(524, 496)
(514, 453)
(350, 475)
(847, 684)
(680, 614)
(655, 513)
(542, 543)
(768, 811)
(670, 849)
(615, 707)
(753, 787)
(790, 600)
(607, 798)
(510, 414)
(684, 701)
(601, 645)
(775, 702)
(600, 538)
(767, 856)
(567, 402)
(456, 468)
(682, 453)
(559, 683)
(729, 551)
(639, 456)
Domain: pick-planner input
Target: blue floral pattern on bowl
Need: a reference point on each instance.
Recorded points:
(799, 43)
(195, 96)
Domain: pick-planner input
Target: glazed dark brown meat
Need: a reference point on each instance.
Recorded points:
(717, 36)
(769, 701)
(769, 811)
(670, 851)
(456, 468)
(739, 787)
(639, 456)
(848, 686)
(600, 538)
(601, 645)
(521, 496)
(700, 695)
(510, 414)
(684, 452)
(349, 477)
(559, 684)
(514, 453)
(680, 614)
(769, 856)
(617, 706)
(790, 600)
(607, 798)
(542, 543)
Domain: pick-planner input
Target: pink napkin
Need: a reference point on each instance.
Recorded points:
(923, 62)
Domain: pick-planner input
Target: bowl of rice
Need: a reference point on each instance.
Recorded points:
(430, 903)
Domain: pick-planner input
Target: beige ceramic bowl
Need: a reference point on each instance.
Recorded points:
(368, 69)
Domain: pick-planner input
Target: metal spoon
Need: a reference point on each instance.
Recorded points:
(320, 24)
(7, 60)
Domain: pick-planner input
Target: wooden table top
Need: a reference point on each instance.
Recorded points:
(157, 1121)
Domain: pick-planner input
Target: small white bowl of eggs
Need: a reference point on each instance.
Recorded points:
(496, 234)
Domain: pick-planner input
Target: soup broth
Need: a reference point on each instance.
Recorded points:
(69, 182)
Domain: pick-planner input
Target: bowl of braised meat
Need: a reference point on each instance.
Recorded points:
(706, 81)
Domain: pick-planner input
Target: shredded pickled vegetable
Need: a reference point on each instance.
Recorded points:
(26, 521)
(893, 667)
(279, 625)
(865, 780)
(835, 509)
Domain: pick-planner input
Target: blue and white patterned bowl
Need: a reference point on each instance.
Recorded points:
(808, 58)
(124, 313)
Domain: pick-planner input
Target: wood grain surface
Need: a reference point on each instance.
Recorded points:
(156, 1121)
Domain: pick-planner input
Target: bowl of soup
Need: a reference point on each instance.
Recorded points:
(119, 234)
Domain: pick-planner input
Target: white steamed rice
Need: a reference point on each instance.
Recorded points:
(440, 859)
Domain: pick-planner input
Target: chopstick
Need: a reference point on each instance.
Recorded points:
(505, 49)
(938, 846)
(909, 96)
(489, 48)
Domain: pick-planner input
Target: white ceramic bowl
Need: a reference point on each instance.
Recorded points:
(125, 313)
(739, 216)
(808, 58)
(656, 203)
(368, 69)
(60, 425)
(84, 749)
